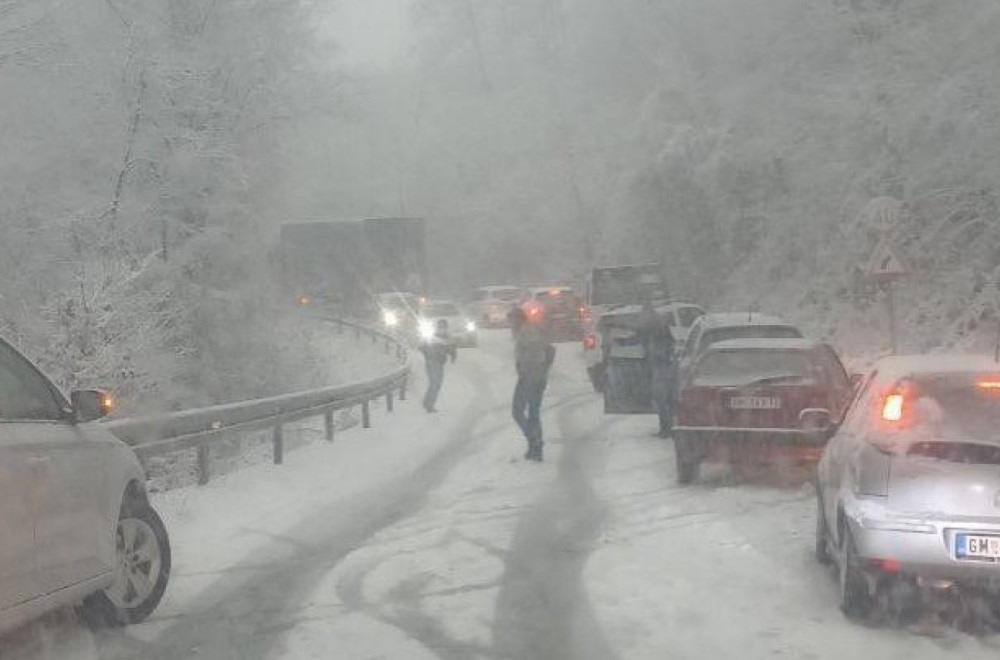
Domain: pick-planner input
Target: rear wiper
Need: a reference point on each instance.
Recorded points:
(774, 379)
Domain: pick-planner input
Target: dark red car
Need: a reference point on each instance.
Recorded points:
(752, 400)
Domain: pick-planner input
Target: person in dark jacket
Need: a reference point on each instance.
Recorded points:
(436, 352)
(533, 357)
(658, 349)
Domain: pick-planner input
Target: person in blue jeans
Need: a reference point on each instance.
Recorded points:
(436, 352)
(533, 357)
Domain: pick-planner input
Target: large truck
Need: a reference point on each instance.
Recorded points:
(344, 263)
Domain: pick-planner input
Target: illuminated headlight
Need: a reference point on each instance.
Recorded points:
(426, 329)
(390, 318)
(470, 326)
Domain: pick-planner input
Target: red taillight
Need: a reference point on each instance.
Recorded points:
(533, 311)
(589, 342)
(890, 566)
(989, 385)
(892, 408)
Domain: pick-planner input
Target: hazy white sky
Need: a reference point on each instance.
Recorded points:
(372, 33)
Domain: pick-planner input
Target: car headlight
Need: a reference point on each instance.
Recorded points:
(426, 329)
(390, 318)
(470, 326)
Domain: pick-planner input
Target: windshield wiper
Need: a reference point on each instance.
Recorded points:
(766, 380)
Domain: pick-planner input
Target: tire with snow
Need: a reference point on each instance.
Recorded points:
(686, 457)
(141, 571)
(856, 600)
(822, 549)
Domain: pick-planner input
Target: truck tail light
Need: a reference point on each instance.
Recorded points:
(589, 342)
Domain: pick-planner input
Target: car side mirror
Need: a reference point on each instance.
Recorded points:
(817, 422)
(90, 405)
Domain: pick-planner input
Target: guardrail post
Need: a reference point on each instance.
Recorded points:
(279, 445)
(388, 401)
(328, 423)
(402, 390)
(204, 460)
(374, 338)
(366, 417)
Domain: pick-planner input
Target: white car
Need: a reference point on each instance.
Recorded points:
(75, 522)
(463, 330)
(491, 304)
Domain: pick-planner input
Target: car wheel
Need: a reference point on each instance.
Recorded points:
(822, 549)
(687, 460)
(141, 571)
(856, 601)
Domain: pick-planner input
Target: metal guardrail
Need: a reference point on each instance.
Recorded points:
(200, 428)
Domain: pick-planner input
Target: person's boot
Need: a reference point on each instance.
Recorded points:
(538, 450)
(531, 451)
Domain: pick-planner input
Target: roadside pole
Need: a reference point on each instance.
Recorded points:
(885, 266)
(891, 311)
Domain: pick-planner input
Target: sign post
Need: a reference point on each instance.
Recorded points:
(885, 267)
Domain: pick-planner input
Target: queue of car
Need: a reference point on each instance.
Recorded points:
(907, 457)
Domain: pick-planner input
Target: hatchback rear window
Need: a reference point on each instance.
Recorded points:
(710, 337)
(961, 412)
(738, 368)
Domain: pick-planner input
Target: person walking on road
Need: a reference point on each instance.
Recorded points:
(436, 352)
(658, 349)
(533, 357)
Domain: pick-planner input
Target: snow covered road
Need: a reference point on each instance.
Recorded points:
(429, 537)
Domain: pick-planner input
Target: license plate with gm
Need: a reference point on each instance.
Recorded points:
(977, 546)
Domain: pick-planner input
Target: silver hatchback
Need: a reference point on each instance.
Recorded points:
(908, 487)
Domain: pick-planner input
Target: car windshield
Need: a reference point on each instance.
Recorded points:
(441, 309)
(714, 335)
(747, 367)
(688, 315)
(398, 301)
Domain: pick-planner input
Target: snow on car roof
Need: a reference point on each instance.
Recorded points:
(764, 344)
(898, 366)
(729, 319)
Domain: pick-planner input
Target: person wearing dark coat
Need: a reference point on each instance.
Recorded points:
(436, 352)
(658, 349)
(533, 357)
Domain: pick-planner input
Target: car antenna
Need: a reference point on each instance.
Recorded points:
(996, 349)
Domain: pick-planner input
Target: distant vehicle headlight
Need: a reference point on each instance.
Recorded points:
(390, 318)
(426, 329)
(470, 326)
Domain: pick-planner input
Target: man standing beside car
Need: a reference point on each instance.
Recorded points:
(436, 352)
(533, 357)
(658, 350)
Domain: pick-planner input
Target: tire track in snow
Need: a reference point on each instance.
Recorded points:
(543, 610)
(254, 608)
